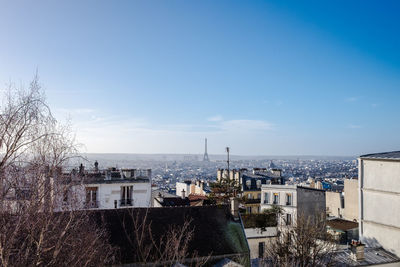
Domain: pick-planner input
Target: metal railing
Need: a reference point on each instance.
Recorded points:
(92, 204)
(125, 202)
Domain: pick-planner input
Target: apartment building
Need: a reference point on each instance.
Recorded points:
(250, 185)
(379, 200)
(118, 188)
(294, 200)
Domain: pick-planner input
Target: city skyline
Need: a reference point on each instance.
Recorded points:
(264, 78)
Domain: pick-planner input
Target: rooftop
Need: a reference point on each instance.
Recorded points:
(207, 223)
(394, 155)
(373, 256)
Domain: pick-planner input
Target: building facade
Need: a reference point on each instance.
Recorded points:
(379, 200)
(107, 189)
(186, 188)
(294, 201)
(351, 199)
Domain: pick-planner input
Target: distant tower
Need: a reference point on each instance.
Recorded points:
(205, 158)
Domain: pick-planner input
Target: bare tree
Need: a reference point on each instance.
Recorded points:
(34, 229)
(306, 243)
(161, 250)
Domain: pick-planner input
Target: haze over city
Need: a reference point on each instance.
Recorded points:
(270, 78)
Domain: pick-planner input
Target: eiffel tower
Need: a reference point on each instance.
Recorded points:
(205, 157)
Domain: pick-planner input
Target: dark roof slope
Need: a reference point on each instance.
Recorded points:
(215, 230)
(394, 155)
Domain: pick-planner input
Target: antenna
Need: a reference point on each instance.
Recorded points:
(227, 151)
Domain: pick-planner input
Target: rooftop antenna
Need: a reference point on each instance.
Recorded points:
(227, 151)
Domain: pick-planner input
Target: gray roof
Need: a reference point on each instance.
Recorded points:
(373, 256)
(156, 192)
(394, 155)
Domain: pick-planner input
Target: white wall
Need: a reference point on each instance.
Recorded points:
(282, 190)
(351, 199)
(182, 186)
(379, 199)
(108, 193)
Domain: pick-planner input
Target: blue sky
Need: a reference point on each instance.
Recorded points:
(263, 77)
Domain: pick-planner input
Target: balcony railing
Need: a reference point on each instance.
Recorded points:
(125, 202)
(92, 204)
(253, 201)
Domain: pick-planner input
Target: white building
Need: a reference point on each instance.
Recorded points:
(379, 200)
(294, 201)
(186, 188)
(118, 189)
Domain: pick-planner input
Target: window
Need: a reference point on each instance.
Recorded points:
(91, 197)
(259, 196)
(258, 183)
(126, 195)
(288, 219)
(65, 195)
(342, 201)
(276, 199)
(248, 210)
(288, 199)
(249, 196)
(261, 249)
(248, 183)
(266, 198)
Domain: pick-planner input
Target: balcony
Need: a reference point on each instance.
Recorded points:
(275, 202)
(125, 202)
(253, 201)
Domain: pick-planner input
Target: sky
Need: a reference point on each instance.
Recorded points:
(262, 77)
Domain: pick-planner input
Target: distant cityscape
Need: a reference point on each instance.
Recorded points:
(167, 169)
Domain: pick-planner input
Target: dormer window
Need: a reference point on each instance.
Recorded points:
(248, 183)
(258, 183)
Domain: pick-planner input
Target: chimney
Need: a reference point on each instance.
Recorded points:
(234, 206)
(81, 169)
(183, 194)
(96, 166)
(357, 250)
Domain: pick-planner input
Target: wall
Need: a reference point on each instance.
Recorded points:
(379, 198)
(108, 193)
(255, 236)
(350, 199)
(333, 205)
(311, 202)
(281, 190)
(182, 186)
